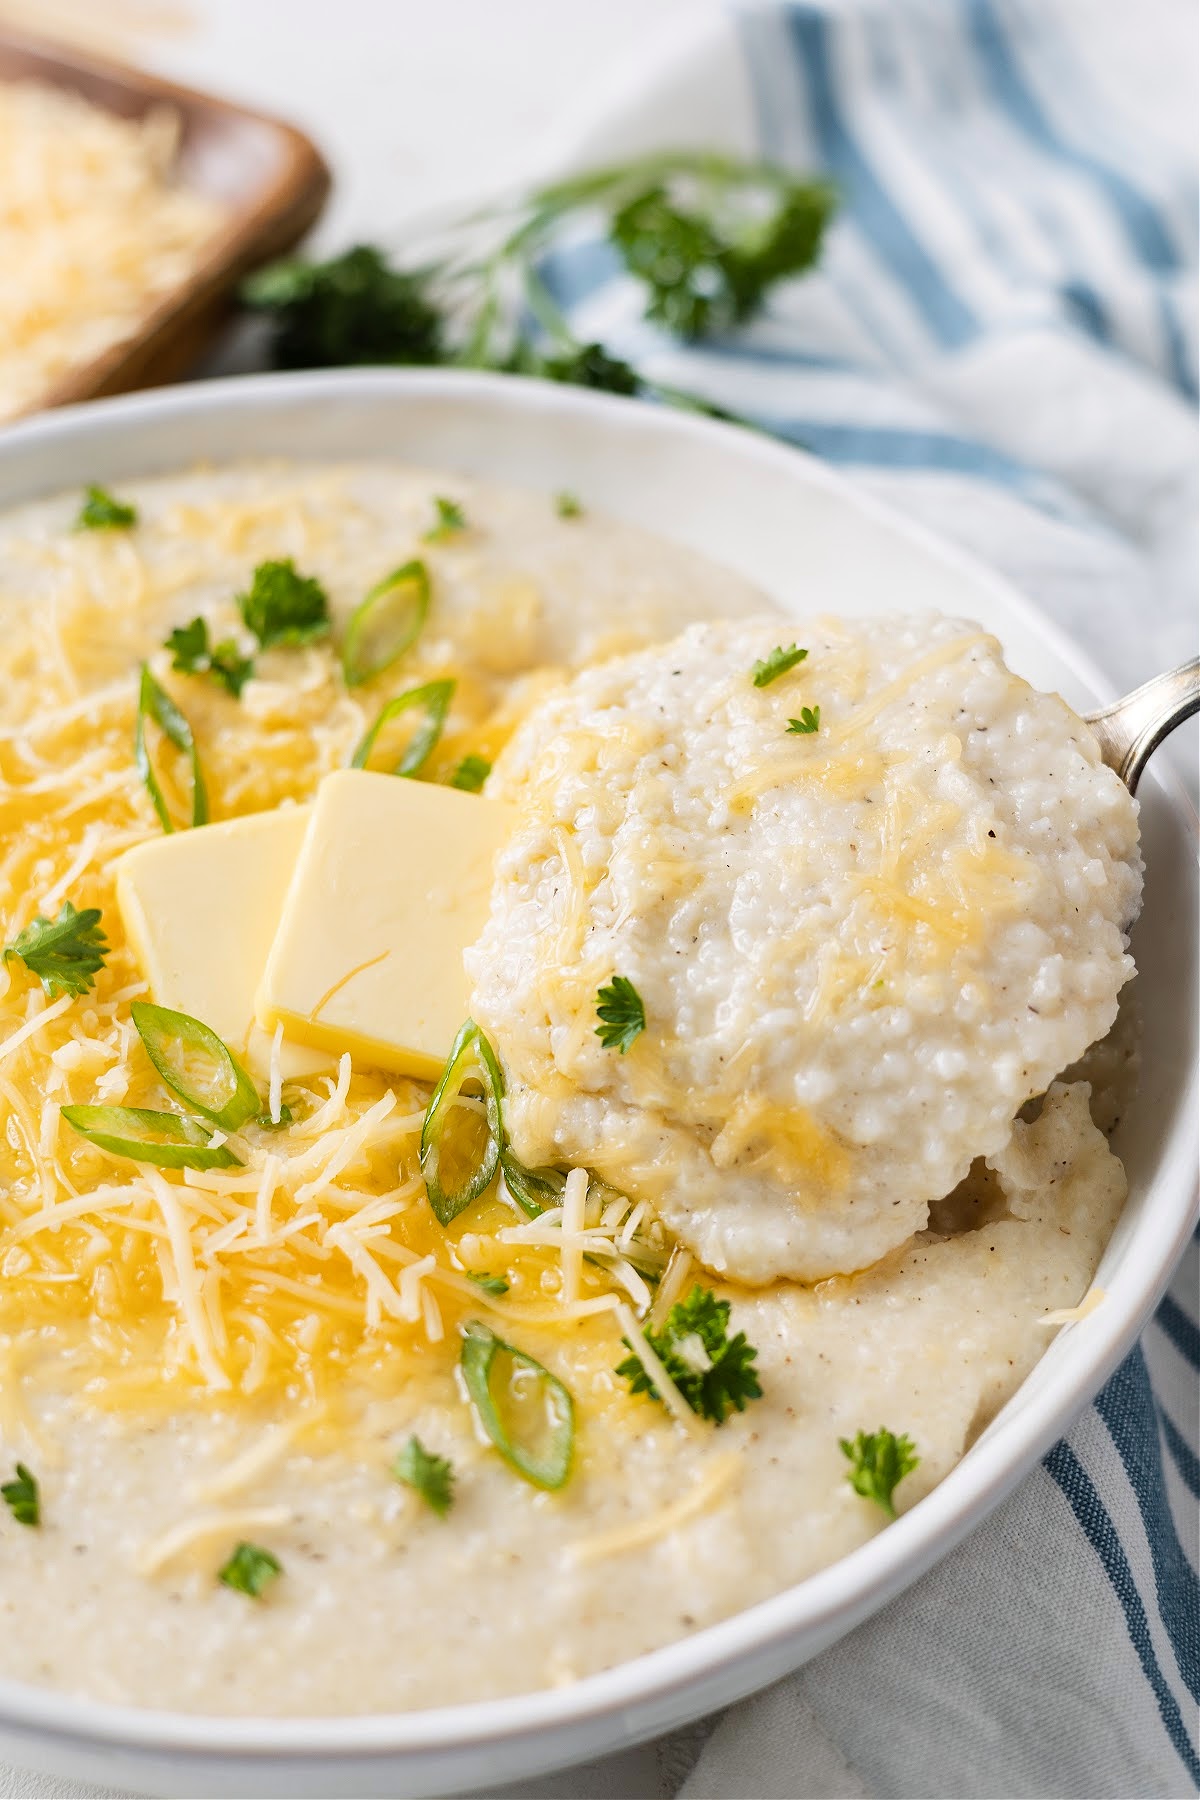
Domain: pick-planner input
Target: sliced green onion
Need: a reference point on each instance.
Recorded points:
(196, 1065)
(434, 697)
(385, 624)
(525, 1410)
(460, 1146)
(151, 1137)
(154, 702)
(534, 1190)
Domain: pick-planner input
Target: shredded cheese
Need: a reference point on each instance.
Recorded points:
(1071, 1315)
(708, 1489)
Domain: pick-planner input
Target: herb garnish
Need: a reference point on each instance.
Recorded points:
(166, 1139)
(353, 309)
(495, 1285)
(196, 1065)
(250, 1570)
(451, 519)
(428, 1475)
(64, 953)
(707, 236)
(433, 698)
(460, 1148)
(568, 506)
(101, 511)
(711, 1370)
(471, 773)
(266, 1123)
(621, 1013)
(525, 1410)
(385, 624)
(22, 1498)
(193, 654)
(808, 722)
(879, 1461)
(155, 703)
(283, 606)
(778, 663)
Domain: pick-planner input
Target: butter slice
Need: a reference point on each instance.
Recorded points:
(200, 910)
(391, 885)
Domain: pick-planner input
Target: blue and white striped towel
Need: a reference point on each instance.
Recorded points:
(1001, 342)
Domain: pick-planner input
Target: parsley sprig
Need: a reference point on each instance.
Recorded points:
(879, 1461)
(193, 654)
(708, 238)
(66, 953)
(430, 1476)
(22, 1498)
(449, 522)
(621, 1014)
(284, 607)
(711, 1369)
(776, 664)
(102, 511)
(808, 722)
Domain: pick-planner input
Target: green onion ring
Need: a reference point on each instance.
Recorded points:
(486, 1361)
(154, 702)
(164, 1138)
(171, 1038)
(384, 625)
(435, 697)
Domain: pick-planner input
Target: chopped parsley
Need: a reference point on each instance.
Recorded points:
(568, 506)
(451, 519)
(193, 654)
(65, 953)
(495, 1285)
(250, 1570)
(808, 722)
(428, 1475)
(711, 1370)
(471, 774)
(879, 1461)
(22, 1498)
(284, 607)
(101, 511)
(777, 664)
(621, 1014)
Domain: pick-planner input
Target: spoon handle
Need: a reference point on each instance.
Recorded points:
(1132, 728)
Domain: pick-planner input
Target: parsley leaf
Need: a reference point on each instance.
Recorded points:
(591, 366)
(428, 1475)
(471, 774)
(66, 953)
(284, 607)
(808, 722)
(621, 1013)
(711, 1370)
(879, 1461)
(491, 1284)
(777, 664)
(568, 506)
(451, 519)
(101, 511)
(352, 309)
(192, 654)
(705, 267)
(250, 1570)
(22, 1498)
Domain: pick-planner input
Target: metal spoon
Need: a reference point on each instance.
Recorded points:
(1132, 728)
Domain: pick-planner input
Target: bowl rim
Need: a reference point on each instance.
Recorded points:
(835, 1598)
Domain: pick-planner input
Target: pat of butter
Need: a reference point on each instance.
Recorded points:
(200, 909)
(391, 885)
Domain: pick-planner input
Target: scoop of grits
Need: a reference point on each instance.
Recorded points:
(860, 945)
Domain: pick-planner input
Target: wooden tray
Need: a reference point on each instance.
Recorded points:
(272, 179)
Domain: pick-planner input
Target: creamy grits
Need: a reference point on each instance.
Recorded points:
(213, 1372)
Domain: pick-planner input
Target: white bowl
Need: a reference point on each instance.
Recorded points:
(808, 538)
